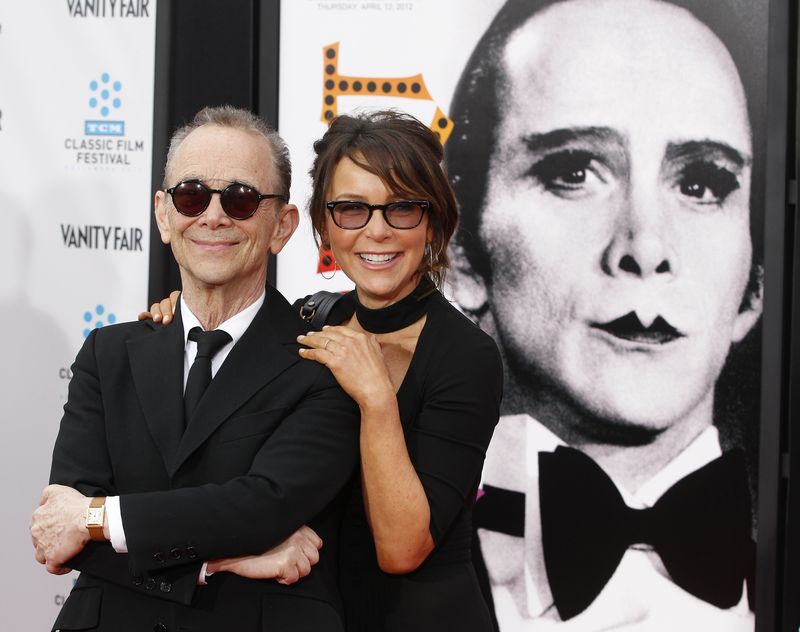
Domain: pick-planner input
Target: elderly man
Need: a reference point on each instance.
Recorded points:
(602, 154)
(206, 438)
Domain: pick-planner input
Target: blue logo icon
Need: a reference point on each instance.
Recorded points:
(105, 99)
(97, 315)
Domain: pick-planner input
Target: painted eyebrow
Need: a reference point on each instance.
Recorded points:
(688, 150)
(558, 138)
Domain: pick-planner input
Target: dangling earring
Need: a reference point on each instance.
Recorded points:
(429, 251)
(327, 262)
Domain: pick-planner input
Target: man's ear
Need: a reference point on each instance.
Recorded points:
(468, 287)
(752, 306)
(160, 203)
(285, 224)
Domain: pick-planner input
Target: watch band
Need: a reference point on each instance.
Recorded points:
(95, 517)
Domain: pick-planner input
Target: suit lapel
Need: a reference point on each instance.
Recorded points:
(259, 356)
(156, 362)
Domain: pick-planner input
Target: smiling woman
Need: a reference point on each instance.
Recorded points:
(380, 256)
(428, 381)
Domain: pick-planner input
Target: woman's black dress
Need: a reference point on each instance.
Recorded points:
(449, 404)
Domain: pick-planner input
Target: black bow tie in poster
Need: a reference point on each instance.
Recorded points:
(700, 528)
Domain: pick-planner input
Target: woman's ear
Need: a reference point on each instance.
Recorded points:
(324, 236)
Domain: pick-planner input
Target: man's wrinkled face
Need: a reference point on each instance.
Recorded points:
(616, 219)
(213, 249)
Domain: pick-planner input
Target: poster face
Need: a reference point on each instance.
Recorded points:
(607, 156)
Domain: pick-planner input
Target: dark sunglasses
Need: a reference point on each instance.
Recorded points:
(239, 201)
(402, 214)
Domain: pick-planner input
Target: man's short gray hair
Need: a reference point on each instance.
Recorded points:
(246, 121)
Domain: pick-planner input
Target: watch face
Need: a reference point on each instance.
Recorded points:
(94, 515)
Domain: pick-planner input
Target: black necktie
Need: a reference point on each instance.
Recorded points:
(208, 343)
(700, 528)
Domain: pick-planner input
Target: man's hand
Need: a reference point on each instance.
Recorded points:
(58, 527)
(288, 562)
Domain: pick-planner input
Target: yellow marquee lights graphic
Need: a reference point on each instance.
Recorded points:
(336, 85)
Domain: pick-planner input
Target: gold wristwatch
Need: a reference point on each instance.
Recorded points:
(95, 516)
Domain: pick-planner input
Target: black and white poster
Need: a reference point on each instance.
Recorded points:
(608, 160)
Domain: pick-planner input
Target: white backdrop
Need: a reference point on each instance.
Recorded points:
(378, 41)
(76, 102)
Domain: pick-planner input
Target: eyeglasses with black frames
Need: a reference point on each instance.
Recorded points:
(239, 201)
(402, 214)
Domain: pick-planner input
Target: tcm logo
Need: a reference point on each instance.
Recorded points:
(97, 318)
(104, 128)
(104, 99)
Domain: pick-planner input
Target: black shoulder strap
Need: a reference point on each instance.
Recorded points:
(316, 308)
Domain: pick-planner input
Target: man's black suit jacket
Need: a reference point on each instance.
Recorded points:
(272, 445)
